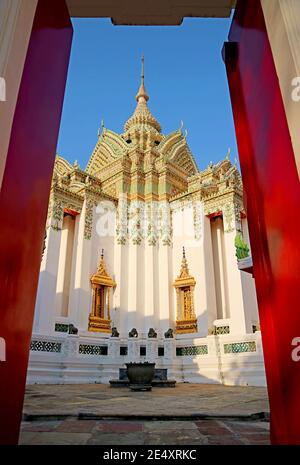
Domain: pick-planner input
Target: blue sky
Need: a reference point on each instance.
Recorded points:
(184, 76)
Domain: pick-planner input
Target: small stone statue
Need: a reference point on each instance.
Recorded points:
(133, 333)
(152, 333)
(72, 329)
(114, 332)
(169, 334)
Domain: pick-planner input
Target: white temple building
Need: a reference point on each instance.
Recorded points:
(142, 239)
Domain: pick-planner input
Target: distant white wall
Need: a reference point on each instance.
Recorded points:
(65, 266)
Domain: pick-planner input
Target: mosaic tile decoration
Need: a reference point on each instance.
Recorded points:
(90, 349)
(192, 350)
(45, 346)
(240, 347)
(61, 327)
(222, 330)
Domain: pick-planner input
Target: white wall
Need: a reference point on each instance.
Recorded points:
(184, 236)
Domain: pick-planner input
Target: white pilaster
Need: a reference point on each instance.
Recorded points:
(133, 350)
(222, 257)
(136, 288)
(209, 277)
(114, 348)
(167, 315)
(70, 347)
(80, 294)
(45, 303)
(121, 293)
(170, 349)
(65, 268)
(151, 288)
(151, 350)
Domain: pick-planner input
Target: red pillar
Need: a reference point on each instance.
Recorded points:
(24, 198)
(272, 194)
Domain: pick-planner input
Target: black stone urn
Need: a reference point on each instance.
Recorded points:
(140, 375)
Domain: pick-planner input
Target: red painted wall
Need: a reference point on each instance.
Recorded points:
(273, 203)
(24, 198)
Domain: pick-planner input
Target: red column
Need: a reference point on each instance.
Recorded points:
(272, 199)
(24, 198)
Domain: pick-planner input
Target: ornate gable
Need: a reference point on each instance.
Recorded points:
(62, 166)
(110, 147)
(175, 149)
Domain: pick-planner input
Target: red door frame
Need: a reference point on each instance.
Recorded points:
(24, 198)
(272, 197)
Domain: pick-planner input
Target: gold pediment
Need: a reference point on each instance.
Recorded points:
(184, 278)
(101, 277)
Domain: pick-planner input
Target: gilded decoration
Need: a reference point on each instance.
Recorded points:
(165, 223)
(136, 218)
(186, 321)
(88, 220)
(102, 283)
(231, 210)
(56, 214)
(197, 219)
(122, 221)
(59, 202)
(152, 219)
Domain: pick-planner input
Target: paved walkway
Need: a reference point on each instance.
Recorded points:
(114, 432)
(186, 414)
(184, 400)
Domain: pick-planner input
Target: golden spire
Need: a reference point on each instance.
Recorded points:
(102, 267)
(142, 119)
(142, 93)
(184, 271)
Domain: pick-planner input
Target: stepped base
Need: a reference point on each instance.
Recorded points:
(155, 383)
(160, 379)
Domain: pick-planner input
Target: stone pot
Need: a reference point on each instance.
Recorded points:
(140, 375)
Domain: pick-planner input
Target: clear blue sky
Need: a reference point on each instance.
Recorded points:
(184, 76)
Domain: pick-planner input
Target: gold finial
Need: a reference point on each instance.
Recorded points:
(228, 154)
(142, 91)
(143, 68)
(184, 271)
(102, 127)
(102, 267)
(181, 127)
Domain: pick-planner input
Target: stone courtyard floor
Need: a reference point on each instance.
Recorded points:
(187, 414)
